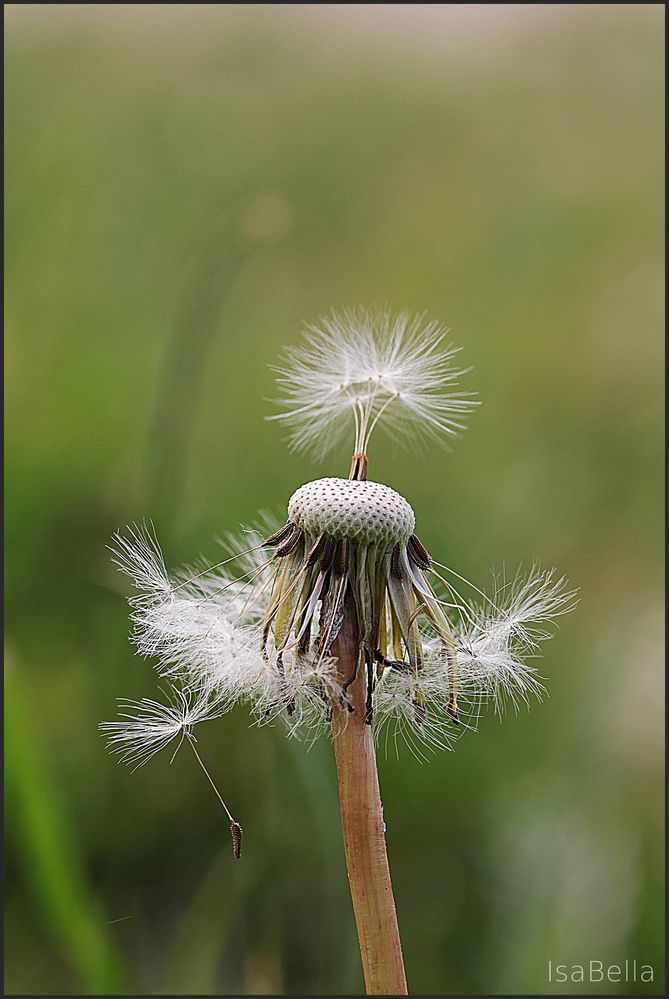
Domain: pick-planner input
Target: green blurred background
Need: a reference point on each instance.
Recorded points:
(185, 186)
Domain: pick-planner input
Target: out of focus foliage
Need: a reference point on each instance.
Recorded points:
(181, 193)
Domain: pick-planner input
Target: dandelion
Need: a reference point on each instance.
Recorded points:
(339, 619)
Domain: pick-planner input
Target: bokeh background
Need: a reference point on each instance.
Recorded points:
(185, 186)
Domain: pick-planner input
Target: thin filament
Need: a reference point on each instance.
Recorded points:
(191, 740)
(217, 565)
(464, 580)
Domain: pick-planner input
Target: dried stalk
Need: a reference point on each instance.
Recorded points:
(363, 828)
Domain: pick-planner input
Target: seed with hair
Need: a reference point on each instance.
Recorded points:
(289, 543)
(279, 536)
(418, 553)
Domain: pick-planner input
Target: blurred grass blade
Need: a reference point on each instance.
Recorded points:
(206, 926)
(47, 845)
(209, 276)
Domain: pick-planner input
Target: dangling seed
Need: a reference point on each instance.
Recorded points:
(418, 553)
(236, 833)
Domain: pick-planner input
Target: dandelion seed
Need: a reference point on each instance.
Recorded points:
(146, 727)
(369, 369)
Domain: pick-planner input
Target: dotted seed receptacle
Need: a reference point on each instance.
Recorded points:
(367, 512)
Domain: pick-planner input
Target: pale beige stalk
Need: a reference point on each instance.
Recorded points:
(362, 824)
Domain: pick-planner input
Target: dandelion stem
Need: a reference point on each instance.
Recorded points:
(363, 827)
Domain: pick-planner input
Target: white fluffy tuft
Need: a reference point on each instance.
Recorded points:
(359, 368)
(203, 627)
(201, 624)
(493, 651)
(147, 726)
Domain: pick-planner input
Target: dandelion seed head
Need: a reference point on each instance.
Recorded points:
(260, 627)
(366, 512)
